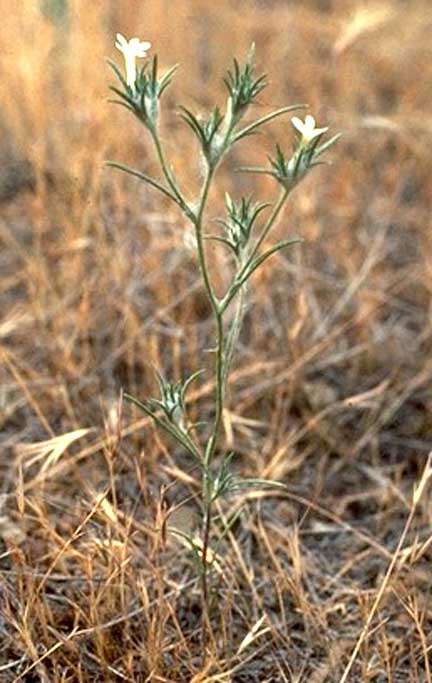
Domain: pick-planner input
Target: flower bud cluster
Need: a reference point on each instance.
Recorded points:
(239, 222)
(206, 132)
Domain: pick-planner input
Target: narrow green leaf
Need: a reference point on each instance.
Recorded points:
(259, 209)
(260, 260)
(191, 379)
(249, 269)
(167, 77)
(193, 124)
(265, 119)
(154, 69)
(196, 551)
(138, 403)
(254, 169)
(122, 104)
(327, 145)
(117, 72)
(239, 484)
(147, 179)
(121, 94)
(216, 238)
(228, 525)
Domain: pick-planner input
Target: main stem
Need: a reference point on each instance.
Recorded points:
(219, 392)
(234, 331)
(224, 351)
(210, 450)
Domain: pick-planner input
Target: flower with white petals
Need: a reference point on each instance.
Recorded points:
(132, 49)
(307, 129)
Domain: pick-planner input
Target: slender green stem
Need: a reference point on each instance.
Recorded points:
(198, 222)
(200, 241)
(205, 547)
(142, 176)
(169, 176)
(219, 371)
(234, 331)
(205, 619)
(265, 119)
(272, 218)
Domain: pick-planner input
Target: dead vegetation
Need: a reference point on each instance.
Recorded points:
(331, 391)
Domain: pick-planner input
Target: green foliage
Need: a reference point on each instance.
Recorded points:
(216, 135)
(205, 131)
(242, 85)
(169, 411)
(238, 224)
(289, 171)
(143, 99)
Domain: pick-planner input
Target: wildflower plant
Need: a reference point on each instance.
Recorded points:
(243, 230)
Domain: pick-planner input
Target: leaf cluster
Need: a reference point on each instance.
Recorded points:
(242, 84)
(205, 131)
(169, 412)
(239, 222)
(225, 481)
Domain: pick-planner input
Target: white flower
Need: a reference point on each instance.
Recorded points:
(307, 129)
(131, 49)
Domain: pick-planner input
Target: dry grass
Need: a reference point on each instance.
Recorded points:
(330, 393)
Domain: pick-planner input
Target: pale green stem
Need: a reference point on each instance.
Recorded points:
(272, 218)
(224, 353)
(219, 371)
(197, 220)
(200, 241)
(234, 331)
(211, 444)
(169, 176)
(220, 374)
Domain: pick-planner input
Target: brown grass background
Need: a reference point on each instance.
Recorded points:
(331, 388)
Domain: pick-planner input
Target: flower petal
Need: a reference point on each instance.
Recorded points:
(310, 122)
(141, 49)
(298, 124)
(121, 41)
